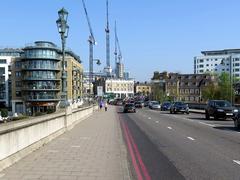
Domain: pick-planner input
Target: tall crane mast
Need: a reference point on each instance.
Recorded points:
(108, 67)
(117, 44)
(92, 42)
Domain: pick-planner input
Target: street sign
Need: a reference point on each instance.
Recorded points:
(99, 91)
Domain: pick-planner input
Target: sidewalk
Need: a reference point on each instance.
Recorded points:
(93, 150)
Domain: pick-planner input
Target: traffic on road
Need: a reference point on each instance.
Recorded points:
(175, 143)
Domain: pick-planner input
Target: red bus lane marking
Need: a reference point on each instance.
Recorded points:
(142, 165)
(131, 152)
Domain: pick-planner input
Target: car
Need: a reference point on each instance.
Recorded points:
(146, 103)
(166, 106)
(179, 107)
(139, 104)
(154, 105)
(129, 107)
(220, 109)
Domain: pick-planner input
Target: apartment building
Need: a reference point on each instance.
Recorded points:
(36, 78)
(144, 89)
(183, 87)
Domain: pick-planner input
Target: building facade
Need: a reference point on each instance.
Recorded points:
(227, 60)
(6, 58)
(183, 87)
(144, 89)
(119, 87)
(36, 78)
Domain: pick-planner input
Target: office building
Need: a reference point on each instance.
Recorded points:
(227, 60)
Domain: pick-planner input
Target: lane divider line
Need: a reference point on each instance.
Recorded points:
(236, 161)
(157, 121)
(211, 125)
(130, 148)
(169, 127)
(142, 165)
(191, 138)
(149, 118)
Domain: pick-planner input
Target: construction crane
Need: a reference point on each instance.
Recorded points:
(117, 46)
(92, 42)
(118, 55)
(108, 67)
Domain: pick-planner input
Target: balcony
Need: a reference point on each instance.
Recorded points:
(42, 98)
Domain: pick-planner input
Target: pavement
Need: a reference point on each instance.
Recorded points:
(181, 146)
(93, 150)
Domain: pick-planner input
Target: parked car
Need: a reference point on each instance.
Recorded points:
(130, 107)
(146, 103)
(154, 105)
(220, 109)
(179, 107)
(166, 106)
(139, 104)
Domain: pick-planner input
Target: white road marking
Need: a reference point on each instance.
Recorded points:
(157, 121)
(211, 125)
(75, 146)
(236, 161)
(1, 175)
(169, 127)
(191, 138)
(84, 138)
(149, 118)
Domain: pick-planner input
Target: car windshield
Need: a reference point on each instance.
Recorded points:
(222, 104)
(179, 103)
(155, 103)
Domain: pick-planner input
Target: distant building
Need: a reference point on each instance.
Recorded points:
(227, 60)
(126, 75)
(120, 70)
(183, 87)
(120, 87)
(6, 58)
(144, 89)
(36, 78)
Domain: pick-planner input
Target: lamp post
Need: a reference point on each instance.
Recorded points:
(98, 62)
(63, 29)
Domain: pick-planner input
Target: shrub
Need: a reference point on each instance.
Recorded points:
(4, 112)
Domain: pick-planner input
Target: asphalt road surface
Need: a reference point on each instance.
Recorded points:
(179, 146)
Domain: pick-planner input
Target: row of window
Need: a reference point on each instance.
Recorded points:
(119, 89)
(40, 75)
(42, 95)
(189, 91)
(42, 85)
(221, 59)
(41, 53)
(40, 64)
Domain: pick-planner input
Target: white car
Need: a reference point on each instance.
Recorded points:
(154, 105)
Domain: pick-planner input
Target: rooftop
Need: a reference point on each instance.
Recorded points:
(221, 52)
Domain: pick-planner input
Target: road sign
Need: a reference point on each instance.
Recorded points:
(99, 91)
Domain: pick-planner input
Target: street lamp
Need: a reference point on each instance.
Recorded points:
(63, 29)
(98, 62)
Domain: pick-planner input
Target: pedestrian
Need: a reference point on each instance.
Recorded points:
(100, 105)
(106, 105)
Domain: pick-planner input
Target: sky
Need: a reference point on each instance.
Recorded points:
(154, 35)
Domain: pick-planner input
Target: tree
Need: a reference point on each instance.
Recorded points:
(211, 92)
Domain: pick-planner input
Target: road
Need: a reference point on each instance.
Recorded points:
(177, 146)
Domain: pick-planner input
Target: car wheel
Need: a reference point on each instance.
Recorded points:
(215, 117)
(187, 112)
(170, 111)
(207, 115)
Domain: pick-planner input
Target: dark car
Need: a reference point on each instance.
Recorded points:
(220, 109)
(179, 107)
(129, 108)
(166, 106)
(139, 104)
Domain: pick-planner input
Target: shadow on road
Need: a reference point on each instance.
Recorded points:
(227, 128)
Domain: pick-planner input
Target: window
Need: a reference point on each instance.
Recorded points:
(201, 71)
(18, 93)
(201, 66)
(216, 59)
(18, 74)
(200, 60)
(207, 64)
(18, 84)
(236, 64)
(223, 69)
(237, 70)
(17, 64)
(3, 61)
(215, 64)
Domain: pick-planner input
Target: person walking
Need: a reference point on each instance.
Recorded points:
(100, 105)
(106, 105)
